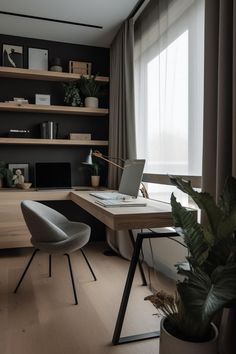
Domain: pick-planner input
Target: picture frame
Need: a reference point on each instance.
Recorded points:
(38, 59)
(24, 167)
(12, 55)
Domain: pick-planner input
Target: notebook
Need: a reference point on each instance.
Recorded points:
(129, 183)
(120, 203)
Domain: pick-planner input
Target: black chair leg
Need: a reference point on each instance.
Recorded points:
(25, 271)
(50, 266)
(86, 260)
(72, 278)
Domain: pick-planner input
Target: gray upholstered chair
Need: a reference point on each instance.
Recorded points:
(53, 233)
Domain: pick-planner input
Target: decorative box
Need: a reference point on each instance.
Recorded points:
(42, 99)
(79, 67)
(78, 136)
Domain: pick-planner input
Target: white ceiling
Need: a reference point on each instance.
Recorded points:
(107, 13)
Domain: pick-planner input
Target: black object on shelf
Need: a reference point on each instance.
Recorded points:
(19, 133)
(49, 130)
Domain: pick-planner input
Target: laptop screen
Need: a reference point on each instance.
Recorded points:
(52, 175)
(131, 177)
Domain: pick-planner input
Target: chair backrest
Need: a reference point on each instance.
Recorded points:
(44, 223)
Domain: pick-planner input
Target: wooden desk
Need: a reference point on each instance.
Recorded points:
(154, 215)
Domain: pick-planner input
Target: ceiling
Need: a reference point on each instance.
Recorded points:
(106, 13)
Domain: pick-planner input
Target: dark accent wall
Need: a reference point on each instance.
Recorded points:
(97, 126)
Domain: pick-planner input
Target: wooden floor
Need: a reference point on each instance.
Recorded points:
(41, 317)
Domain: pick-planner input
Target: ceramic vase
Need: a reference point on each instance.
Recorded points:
(95, 180)
(170, 344)
(91, 102)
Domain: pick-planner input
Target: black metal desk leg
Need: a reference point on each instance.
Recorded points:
(144, 281)
(126, 293)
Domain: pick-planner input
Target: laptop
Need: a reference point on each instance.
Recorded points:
(129, 183)
(52, 175)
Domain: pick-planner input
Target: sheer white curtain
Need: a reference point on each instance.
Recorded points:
(169, 48)
(169, 71)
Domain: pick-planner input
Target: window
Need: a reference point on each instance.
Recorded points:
(169, 55)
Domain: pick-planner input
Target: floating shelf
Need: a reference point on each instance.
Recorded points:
(20, 141)
(29, 74)
(53, 109)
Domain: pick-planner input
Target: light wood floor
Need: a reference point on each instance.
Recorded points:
(41, 317)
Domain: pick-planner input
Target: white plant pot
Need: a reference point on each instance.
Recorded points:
(172, 345)
(95, 180)
(91, 102)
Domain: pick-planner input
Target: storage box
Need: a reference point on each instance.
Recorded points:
(42, 99)
(78, 136)
(79, 67)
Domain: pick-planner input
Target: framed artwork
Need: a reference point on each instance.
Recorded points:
(24, 167)
(12, 55)
(37, 59)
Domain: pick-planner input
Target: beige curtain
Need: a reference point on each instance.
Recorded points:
(219, 141)
(122, 120)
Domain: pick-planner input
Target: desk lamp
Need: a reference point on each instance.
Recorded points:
(108, 159)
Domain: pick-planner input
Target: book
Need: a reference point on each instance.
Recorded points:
(120, 203)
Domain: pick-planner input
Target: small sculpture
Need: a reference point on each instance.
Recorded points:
(18, 178)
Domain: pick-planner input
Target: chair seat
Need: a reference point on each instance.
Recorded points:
(77, 235)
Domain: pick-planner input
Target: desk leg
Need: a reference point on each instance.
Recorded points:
(144, 281)
(125, 298)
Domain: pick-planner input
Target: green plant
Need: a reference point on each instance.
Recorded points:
(209, 282)
(89, 86)
(5, 174)
(72, 95)
(95, 169)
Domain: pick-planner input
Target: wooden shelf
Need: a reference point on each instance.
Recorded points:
(53, 109)
(29, 74)
(20, 141)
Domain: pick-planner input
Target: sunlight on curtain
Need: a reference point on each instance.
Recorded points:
(169, 52)
(167, 109)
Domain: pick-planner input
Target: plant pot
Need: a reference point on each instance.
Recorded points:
(170, 344)
(95, 180)
(91, 102)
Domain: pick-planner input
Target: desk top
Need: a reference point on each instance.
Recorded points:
(154, 214)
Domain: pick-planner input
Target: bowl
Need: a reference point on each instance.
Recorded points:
(24, 185)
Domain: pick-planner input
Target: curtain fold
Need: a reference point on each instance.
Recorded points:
(122, 143)
(219, 140)
(122, 122)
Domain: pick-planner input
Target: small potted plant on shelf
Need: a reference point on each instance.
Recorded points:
(209, 273)
(90, 89)
(6, 175)
(72, 95)
(95, 177)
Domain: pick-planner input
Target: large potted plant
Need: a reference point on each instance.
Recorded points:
(209, 273)
(90, 88)
(6, 175)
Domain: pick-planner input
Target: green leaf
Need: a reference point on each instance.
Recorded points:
(197, 242)
(204, 296)
(227, 201)
(203, 200)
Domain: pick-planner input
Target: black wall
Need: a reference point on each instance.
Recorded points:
(97, 126)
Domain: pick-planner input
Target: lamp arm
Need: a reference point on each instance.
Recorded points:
(107, 160)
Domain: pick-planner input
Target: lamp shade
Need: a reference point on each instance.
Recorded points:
(88, 160)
